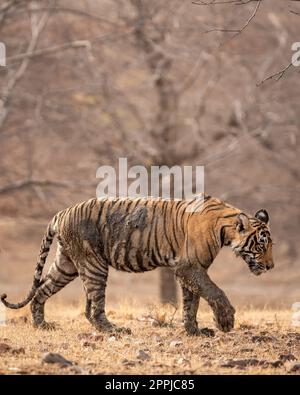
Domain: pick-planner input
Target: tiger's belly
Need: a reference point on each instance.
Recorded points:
(131, 259)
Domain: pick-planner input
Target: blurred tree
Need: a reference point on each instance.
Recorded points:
(90, 81)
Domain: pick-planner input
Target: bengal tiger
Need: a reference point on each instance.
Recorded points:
(141, 234)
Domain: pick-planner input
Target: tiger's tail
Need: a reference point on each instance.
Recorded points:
(44, 251)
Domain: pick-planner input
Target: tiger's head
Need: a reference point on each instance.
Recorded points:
(252, 241)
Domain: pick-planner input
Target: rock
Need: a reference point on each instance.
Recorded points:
(243, 363)
(112, 339)
(158, 339)
(240, 363)
(18, 320)
(77, 370)
(126, 362)
(287, 357)
(97, 337)
(51, 357)
(4, 348)
(83, 335)
(183, 361)
(18, 350)
(175, 343)
(246, 349)
(143, 356)
(87, 344)
(64, 346)
(246, 326)
(155, 323)
(262, 339)
(293, 367)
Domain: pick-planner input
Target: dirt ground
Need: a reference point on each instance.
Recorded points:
(263, 342)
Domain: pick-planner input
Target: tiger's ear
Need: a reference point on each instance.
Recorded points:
(262, 215)
(242, 222)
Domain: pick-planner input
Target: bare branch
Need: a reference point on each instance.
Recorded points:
(28, 182)
(50, 50)
(240, 30)
(36, 31)
(277, 76)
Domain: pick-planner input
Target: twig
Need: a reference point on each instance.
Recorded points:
(36, 31)
(50, 50)
(22, 184)
(239, 31)
(277, 76)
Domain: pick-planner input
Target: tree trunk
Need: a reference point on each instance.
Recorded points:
(165, 122)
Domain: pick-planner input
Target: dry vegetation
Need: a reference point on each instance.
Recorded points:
(263, 342)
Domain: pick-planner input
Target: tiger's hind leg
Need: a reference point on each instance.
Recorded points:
(190, 309)
(61, 272)
(95, 279)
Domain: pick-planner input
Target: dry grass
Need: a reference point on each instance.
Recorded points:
(262, 335)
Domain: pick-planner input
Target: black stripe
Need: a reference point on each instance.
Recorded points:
(61, 271)
(230, 215)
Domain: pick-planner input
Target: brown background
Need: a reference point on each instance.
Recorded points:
(146, 81)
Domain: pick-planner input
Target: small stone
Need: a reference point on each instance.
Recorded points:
(183, 361)
(77, 369)
(112, 339)
(87, 344)
(175, 343)
(261, 339)
(51, 357)
(293, 367)
(4, 348)
(143, 356)
(97, 337)
(154, 323)
(127, 362)
(246, 349)
(18, 350)
(242, 363)
(287, 357)
(83, 335)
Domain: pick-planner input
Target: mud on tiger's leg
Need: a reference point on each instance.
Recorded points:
(196, 280)
(190, 309)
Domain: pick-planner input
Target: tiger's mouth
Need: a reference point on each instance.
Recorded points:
(255, 267)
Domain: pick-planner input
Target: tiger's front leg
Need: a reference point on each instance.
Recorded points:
(196, 280)
(190, 309)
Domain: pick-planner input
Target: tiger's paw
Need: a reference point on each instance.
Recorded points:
(47, 326)
(224, 319)
(206, 332)
(121, 329)
(111, 328)
(195, 331)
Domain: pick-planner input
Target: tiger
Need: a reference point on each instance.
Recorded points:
(141, 234)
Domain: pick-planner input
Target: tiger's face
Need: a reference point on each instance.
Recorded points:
(253, 241)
